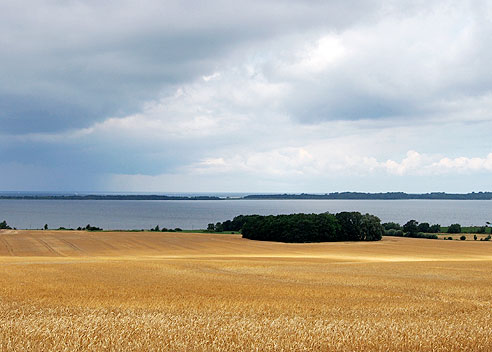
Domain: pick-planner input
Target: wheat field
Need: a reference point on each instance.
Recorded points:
(141, 291)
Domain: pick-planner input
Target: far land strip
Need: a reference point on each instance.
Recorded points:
(284, 196)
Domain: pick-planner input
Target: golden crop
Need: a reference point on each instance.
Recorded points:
(136, 291)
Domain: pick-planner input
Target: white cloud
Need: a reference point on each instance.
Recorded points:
(311, 161)
(463, 164)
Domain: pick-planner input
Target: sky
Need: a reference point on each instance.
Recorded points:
(245, 96)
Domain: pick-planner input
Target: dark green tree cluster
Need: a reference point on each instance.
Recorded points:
(454, 228)
(480, 229)
(165, 229)
(235, 224)
(391, 226)
(4, 226)
(412, 229)
(88, 227)
(345, 226)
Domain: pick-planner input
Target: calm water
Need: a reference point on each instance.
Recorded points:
(197, 214)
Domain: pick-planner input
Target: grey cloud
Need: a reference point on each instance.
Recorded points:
(71, 64)
(67, 64)
(422, 64)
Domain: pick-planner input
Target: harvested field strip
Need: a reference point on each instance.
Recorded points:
(172, 245)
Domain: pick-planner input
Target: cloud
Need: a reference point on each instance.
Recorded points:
(314, 162)
(463, 164)
(246, 94)
(70, 64)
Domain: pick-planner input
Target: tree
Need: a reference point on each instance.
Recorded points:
(475, 237)
(238, 222)
(371, 228)
(92, 228)
(435, 228)
(454, 228)
(46, 226)
(4, 226)
(211, 228)
(227, 226)
(411, 227)
(391, 226)
(350, 226)
(424, 227)
(219, 227)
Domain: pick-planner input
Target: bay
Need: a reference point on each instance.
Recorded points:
(116, 214)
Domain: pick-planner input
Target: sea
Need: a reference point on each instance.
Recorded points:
(196, 214)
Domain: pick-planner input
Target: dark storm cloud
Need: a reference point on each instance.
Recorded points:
(66, 64)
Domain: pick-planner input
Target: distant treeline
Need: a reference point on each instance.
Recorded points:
(377, 196)
(336, 195)
(106, 197)
(424, 230)
(298, 228)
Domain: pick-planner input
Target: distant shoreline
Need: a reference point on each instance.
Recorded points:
(285, 196)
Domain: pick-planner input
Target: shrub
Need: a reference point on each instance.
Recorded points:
(390, 232)
(393, 232)
(423, 235)
(400, 233)
(454, 228)
(475, 237)
(463, 238)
